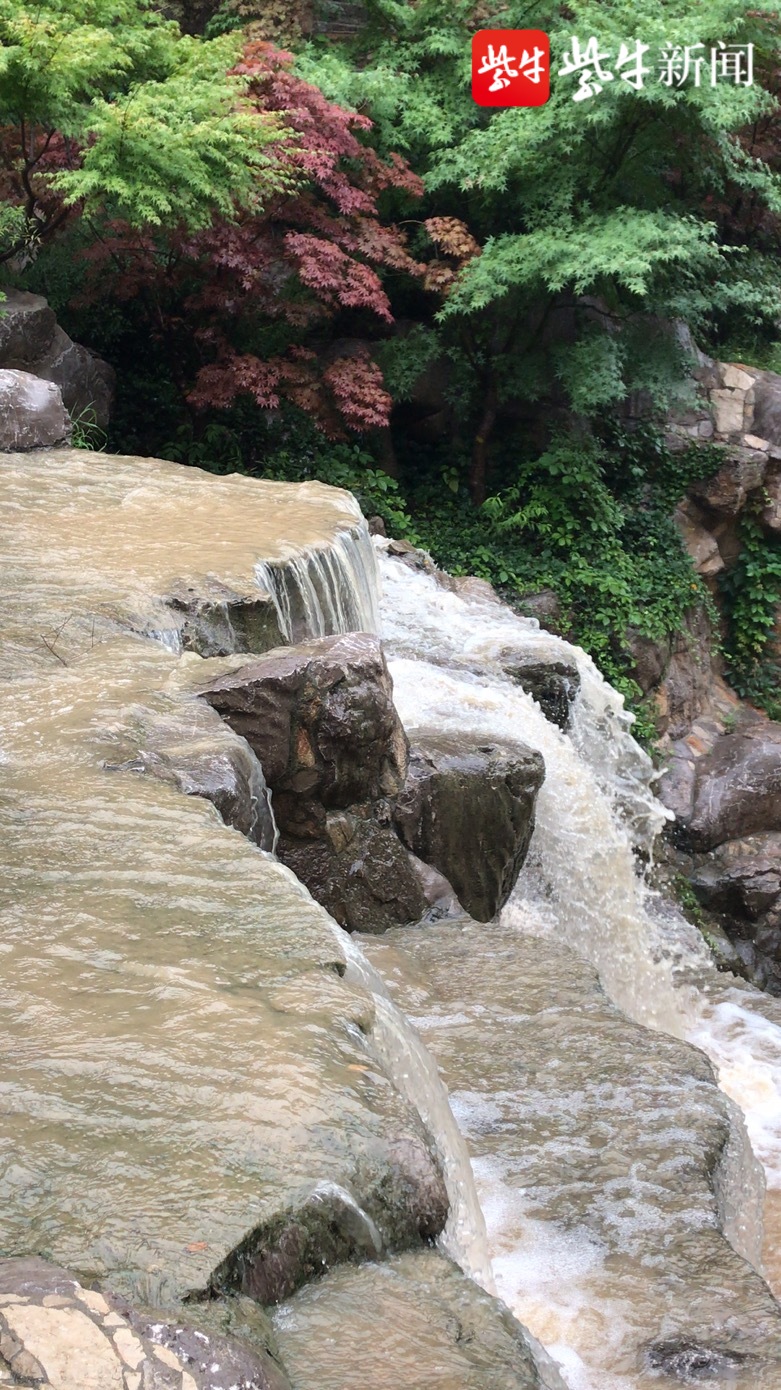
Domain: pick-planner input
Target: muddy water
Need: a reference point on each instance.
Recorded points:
(631, 1245)
(182, 1057)
(97, 543)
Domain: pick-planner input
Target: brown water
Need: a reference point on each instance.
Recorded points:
(96, 543)
(181, 1057)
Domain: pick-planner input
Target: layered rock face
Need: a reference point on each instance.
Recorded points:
(356, 809)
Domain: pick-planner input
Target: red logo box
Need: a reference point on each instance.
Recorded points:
(510, 67)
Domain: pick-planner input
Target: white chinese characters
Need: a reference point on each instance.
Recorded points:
(496, 61)
(676, 65)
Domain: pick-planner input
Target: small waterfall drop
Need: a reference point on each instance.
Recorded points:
(323, 591)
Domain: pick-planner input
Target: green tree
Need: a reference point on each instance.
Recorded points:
(588, 217)
(106, 108)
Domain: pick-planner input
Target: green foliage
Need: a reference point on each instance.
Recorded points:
(108, 106)
(87, 433)
(294, 452)
(752, 589)
(590, 518)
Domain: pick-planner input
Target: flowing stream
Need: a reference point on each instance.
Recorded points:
(190, 1043)
(579, 1123)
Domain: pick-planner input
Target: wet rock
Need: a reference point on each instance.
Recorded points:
(452, 788)
(231, 779)
(553, 684)
(691, 1362)
(57, 1334)
(32, 414)
(219, 621)
(411, 556)
(740, 883)
(360, 871)
(87, 382)
(404, 1202)
(27, 328)
(742, 877)
(320, 717)
(444, 1330)
(737, 789)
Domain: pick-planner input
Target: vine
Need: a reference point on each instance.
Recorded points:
(752, 592)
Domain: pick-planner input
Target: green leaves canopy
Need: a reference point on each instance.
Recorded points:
(111, 106)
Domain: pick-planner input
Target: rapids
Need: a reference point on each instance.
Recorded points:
(583, 1140)
(193, 1051)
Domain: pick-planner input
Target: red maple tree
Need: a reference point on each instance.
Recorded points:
(279, 274)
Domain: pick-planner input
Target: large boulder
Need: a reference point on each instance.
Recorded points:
(469, 811)
(32, 414)
(320, 718)
(85, 380)
(32, 341)
(734, 789)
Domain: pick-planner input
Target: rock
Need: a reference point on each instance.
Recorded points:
(87, 382)
(222, 621)
(553, 684)
(700, 544)
(27, 328)
(741, 877)
(359, 871)
(32, 414)
(737, 789)
(544, 606)
(741, 882)
(411, 556)
(767, 407)
(71, 1338)
(678, 670)
(454, 787)
(736, 378)
(771, 515)
(689, 1361)
(320, 718)
(728, 411)
(727, 490)
(31, 340)
(450, 1334)
(467, 585)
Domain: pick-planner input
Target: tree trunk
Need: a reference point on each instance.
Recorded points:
(479, 466)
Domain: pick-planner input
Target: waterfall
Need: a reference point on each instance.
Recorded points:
(580, 892)
(325, 590)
